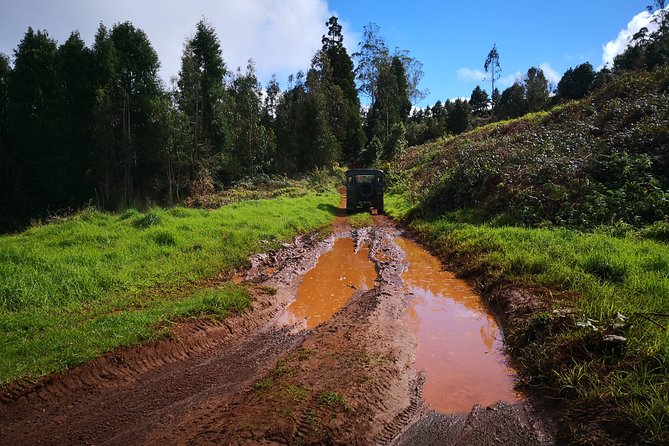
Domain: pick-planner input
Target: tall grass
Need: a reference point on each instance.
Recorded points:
(72, 290)
(603, 276)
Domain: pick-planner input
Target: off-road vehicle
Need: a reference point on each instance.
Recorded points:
(364, 190)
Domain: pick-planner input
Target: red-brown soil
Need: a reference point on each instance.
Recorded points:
(251, 380)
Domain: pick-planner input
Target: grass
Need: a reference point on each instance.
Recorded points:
(603, 276)
(361, 220)
(598, 161)
(72, 290)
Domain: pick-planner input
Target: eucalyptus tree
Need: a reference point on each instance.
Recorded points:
(492, 66)
(252, 144)
(389, 81)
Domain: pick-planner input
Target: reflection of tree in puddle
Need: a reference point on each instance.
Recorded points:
(329, 286)
(459, 341)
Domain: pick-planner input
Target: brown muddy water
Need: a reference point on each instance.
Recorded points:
(331, 284)
(459, 342)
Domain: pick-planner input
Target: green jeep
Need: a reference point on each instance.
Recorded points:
(364, 190)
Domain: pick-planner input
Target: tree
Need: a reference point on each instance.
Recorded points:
(391, 82)
(413, 72)
(536, 89)
(32, 114)
(291, 128)
(576, 83)
(75, 105)
(326, 106)
(175, 140)
(648, 49)
(459, 115)
(512, 103)
(7, 169)
(135, 89)
(373, 53)
(104, 164)
(495, 98)
(493, 67)
(5, 72)
(252, 144)
(478, 100)
(352, 140)
(201, 95)
(396, 142)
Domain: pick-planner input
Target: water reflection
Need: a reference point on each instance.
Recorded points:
(459, 342)
(329, 286)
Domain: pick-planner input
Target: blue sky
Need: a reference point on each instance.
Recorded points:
(451, 38)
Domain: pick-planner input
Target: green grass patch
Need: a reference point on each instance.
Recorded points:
(361, 220)
(72, 290)
(606, 275)
(334, 400)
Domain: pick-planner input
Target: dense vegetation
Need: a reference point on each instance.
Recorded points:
(95, 125)
(600, 161)
(572, 205)
(74, 289)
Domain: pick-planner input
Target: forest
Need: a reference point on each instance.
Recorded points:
(96, 126)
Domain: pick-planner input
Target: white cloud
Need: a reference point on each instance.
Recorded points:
(471, 74)
(280, 36)
(620, 43)
(552, 76)
(509, 80)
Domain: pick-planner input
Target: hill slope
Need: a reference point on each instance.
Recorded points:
(556, 209)
(602, 160)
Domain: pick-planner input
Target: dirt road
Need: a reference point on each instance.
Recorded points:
(254, 380)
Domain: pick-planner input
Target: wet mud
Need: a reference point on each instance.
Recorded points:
(292, 371)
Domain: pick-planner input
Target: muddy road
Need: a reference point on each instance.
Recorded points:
(349, 342)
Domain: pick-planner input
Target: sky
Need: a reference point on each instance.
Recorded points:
(450, 37)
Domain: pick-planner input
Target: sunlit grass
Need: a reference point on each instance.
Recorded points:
(72, 290)
(606, 275)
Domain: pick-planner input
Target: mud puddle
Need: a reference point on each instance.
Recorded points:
(329, 286)
(459, 342)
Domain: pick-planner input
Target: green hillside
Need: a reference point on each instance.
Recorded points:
(599, 161)
(569, 206)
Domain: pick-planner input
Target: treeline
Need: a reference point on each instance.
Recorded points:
(96, 125)
(530, 94)
(533, 92)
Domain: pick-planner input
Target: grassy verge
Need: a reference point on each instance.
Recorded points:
(70, 291)
(361, 220)
(600, 343)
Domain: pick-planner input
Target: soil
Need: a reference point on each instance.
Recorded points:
(251, 380)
